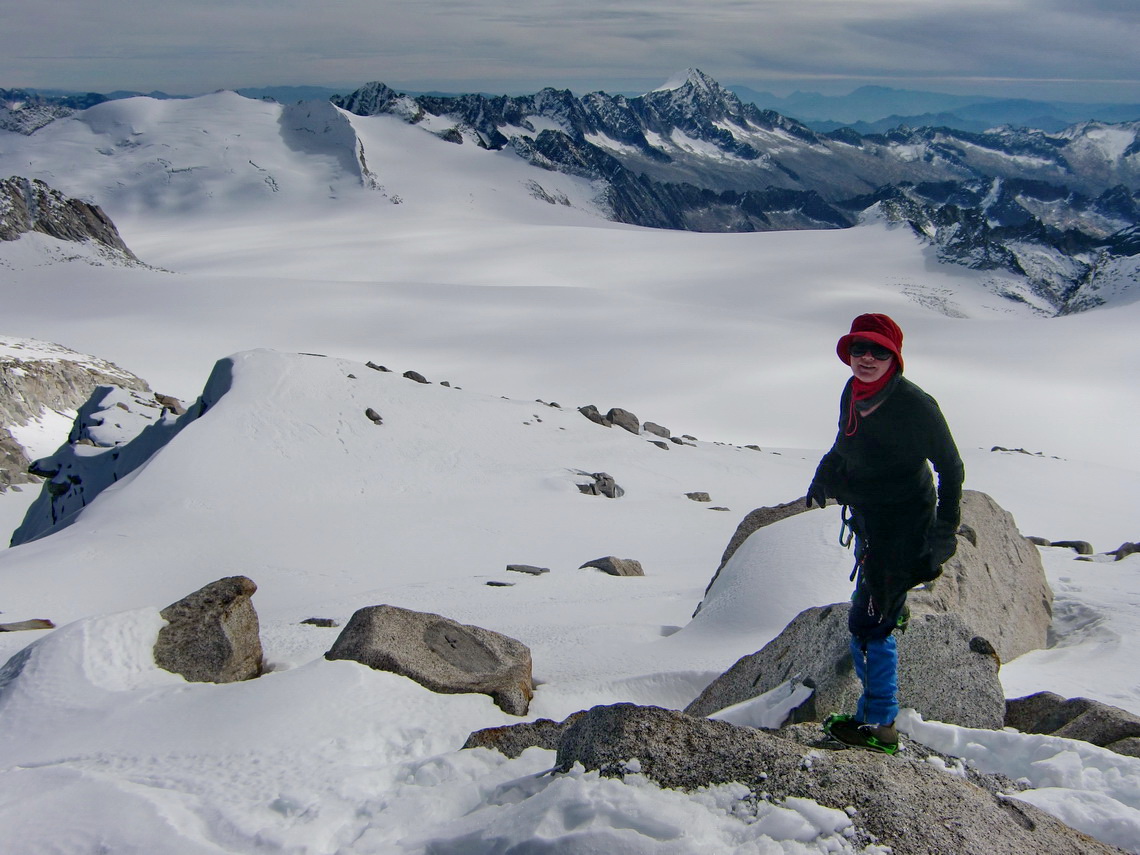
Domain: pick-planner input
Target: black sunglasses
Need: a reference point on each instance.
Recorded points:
(862, 348)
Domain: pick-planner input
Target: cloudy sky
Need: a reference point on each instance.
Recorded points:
(1045, 49)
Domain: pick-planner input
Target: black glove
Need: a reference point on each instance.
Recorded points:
(816, 493)
(941, 542)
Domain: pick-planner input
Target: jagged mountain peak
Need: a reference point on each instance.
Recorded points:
(695, 91)
(690, 78)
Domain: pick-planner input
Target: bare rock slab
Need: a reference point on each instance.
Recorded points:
(439, 654)
(906, 804)
(212, 636)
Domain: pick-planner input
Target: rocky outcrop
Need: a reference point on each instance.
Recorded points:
(1076, 718)
(946, 672)
(14, 462)
(37, 377)
(905, 803)
(212, 636)
(24, 112)
(439, 654)
(32, 206)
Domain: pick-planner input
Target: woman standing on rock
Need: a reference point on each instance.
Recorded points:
(904, 528)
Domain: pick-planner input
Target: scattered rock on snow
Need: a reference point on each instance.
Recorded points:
(616, 566)
(439, 654)
(212, 635)
(699, 497)
(529, 569)
(170, 403)
(1081, 547)
(624, 419)
(415, 375)
(22, 625)
(657, 430)
(320, 621)
(594, 414)
(603, 484)
(1125, 549)
(373, 416)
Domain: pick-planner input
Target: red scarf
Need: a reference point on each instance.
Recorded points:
(863, 391)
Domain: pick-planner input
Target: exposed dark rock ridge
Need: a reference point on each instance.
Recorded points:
(26, 112)
(32, 206)
(50, 378)
(696, 157)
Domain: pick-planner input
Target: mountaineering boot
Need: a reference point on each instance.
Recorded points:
(847, 729)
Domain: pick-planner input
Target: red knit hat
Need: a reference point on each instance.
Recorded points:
(879, 329)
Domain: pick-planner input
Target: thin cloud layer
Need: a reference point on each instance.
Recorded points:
(1048, 49)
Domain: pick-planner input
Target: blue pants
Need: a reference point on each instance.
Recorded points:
(875, 654)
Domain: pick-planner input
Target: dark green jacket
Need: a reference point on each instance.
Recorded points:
(885, 461)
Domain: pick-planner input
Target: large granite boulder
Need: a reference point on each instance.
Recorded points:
(212, 635)
(439, 654)
(995, 581)
(1076, 718)
(902, 802)
(946, 672)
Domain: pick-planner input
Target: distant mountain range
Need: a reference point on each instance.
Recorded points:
(867, 110)
(1060, 208)
(877, 109)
